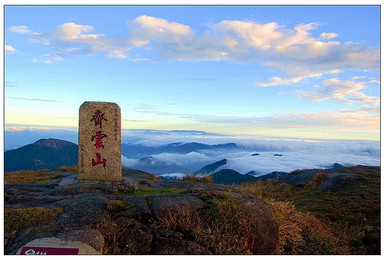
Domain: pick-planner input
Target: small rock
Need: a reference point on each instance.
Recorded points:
(68, 180)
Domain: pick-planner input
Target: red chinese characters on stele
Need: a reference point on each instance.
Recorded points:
(98, 117)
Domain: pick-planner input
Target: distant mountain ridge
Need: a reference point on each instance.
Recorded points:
(42, 154)
(139, 151)
(228, 176)
(210, 168)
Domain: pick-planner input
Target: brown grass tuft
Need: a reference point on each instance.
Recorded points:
(317, 180)
(301, 233)
(194, 178)
(270, 188)
(38, 176)
(18, 219)
(223, 227)
(153, 177)
(73, 168)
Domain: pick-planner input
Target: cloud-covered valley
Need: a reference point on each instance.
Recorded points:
(259, 156)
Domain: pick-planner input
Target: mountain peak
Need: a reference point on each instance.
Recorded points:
(52, 142)
(44, 153)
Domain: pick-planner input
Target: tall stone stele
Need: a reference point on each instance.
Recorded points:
(99, 142)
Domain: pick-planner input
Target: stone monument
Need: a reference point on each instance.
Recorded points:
(99, 156)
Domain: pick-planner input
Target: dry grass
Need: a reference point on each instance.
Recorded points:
(194, 178)
(38, 176)
(73, 168)
(270, 188)
(302, 233)
(18, 219)
(153, 177)
(112, 233)
(350, 215)
(317, 180)
(116, 206)
(223, 227)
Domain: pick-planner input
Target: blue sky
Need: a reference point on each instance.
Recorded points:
(283, 71)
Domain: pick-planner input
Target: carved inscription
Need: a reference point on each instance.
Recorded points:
(100, 141)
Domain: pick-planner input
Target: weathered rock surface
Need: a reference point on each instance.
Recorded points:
(103, 215)
(88, 236)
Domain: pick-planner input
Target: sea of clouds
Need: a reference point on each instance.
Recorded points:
(295, 153)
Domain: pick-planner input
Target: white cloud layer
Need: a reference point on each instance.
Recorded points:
(295, 154)
(182, 159)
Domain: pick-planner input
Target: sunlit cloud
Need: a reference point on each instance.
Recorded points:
(20, 29)
(237, 41)
(328, 36)
(363, 110)
(9, 49)
(348, 91)
(293, 74)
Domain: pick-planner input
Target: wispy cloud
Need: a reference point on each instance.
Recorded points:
(293, 74)
(358, 119)
(48, 59)
(36, 99)
(149, 109)
(20, 29)
(201, 79)
(10, 84)
(328, 36)
(349, 91)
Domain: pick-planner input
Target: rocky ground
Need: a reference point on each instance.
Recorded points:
(131, 217)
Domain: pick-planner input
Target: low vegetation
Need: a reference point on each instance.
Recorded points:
(73, 169)
(150, 191)
(348, 216)
(302, 233)
(38, 176)
(194, 178)
(153, 177)
(18, 219)
(223, 227)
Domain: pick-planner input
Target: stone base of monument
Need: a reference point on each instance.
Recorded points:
(113, 187)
